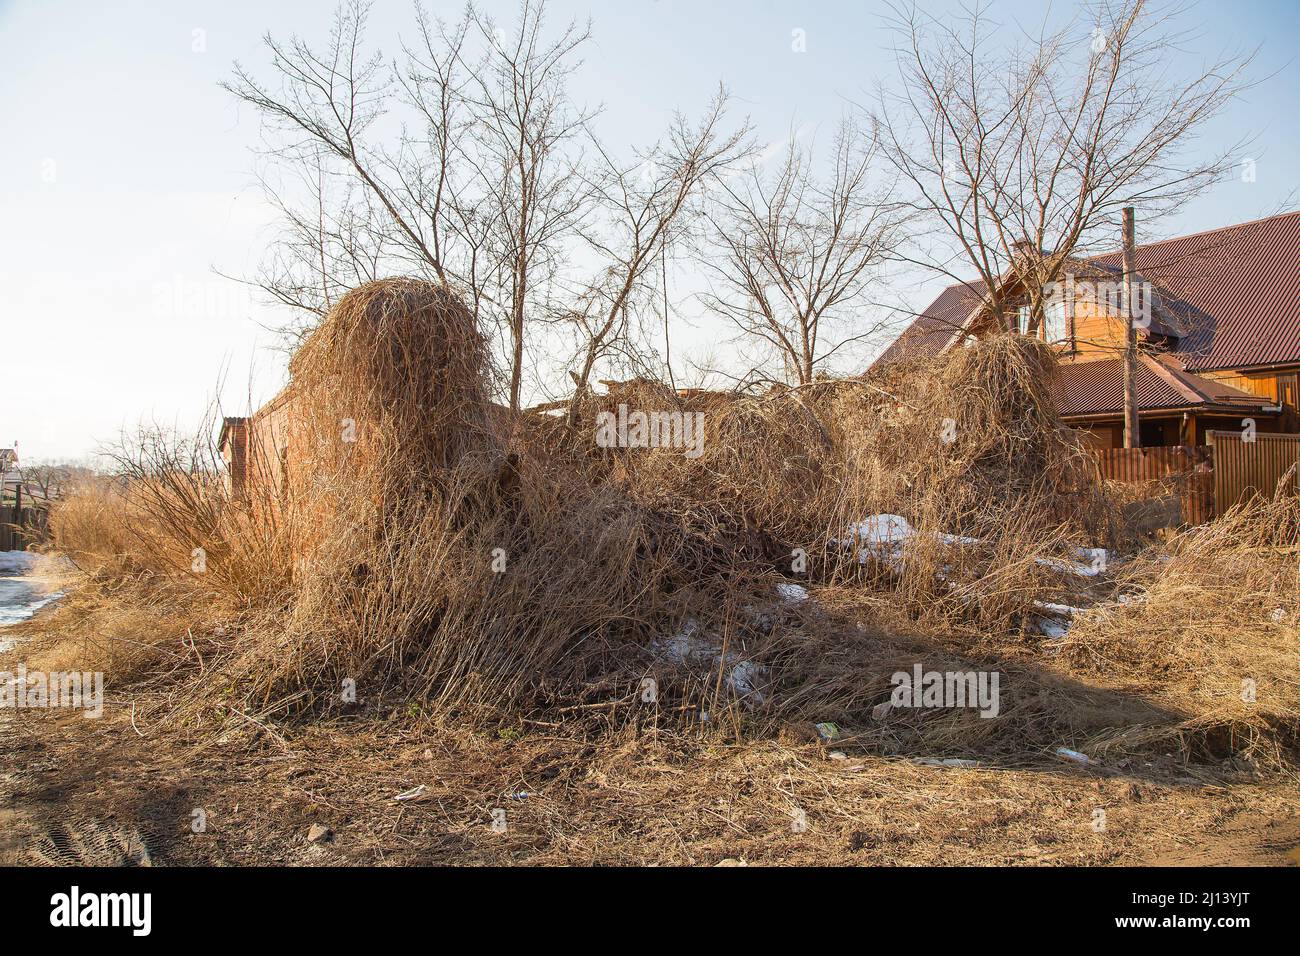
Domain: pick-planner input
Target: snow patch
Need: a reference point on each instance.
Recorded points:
(882, 530)
(1053, 628)
(792, 593)
(16, 562)
(693, 645)
(884, 536)
(691, 642)
(744, 679)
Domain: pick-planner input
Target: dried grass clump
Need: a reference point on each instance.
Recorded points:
(418, 550)
(968, 447)
(979, 430)
(390, 395)
(762, 472)
(1204, 625)
(90, 522)
(168, 515)
(970, 451)
(429, 560)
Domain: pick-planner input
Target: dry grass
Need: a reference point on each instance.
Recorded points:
(626, 797)
(91, 524)
(1208, 627)
(454, 563)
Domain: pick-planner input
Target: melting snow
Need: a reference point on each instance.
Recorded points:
(16, 562)
(744, 678)
(885, 534)
(792, 593)
(21, 595)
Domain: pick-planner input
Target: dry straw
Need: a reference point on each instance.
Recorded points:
(438, 555)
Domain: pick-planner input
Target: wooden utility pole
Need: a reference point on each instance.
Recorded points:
(1132, 435)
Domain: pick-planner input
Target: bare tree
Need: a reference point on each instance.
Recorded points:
(50, 479)
(645, 208)
(1023, 155)
(493, 181)
(477, 194)
(794, 254)
(523, 123)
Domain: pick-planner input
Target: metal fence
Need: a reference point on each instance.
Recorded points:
(1245, 468)
(1186, 471)
(1208, 479)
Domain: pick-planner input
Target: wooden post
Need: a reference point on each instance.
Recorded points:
(1132, 433)
(18, 516)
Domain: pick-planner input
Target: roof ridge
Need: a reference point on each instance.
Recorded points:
(1149, 245)
(1194, 235)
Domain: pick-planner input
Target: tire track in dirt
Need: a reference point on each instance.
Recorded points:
(31, 838)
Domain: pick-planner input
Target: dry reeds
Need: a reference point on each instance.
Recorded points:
(425, 548)
(429, 560)
(90, 524)
(1208, 626)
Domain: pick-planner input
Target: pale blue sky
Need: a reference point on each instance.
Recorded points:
(125, 172)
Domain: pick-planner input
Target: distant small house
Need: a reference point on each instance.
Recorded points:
(10, 477)
(1221, 343)
(255, 449)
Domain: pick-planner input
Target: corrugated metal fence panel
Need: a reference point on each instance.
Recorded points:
(1247, 468)
(1187, 470)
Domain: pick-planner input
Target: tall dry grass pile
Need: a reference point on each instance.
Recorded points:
(429, 559)
(1208, 626)
(1000, 496)
(969, 451)
(427, 549)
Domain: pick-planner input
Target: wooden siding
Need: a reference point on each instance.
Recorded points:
(1265, 386)
(1097, 334)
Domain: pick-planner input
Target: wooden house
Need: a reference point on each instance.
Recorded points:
(1219, 348)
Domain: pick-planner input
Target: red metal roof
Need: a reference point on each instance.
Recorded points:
(1094, 388)
(930, 331)
(1236, 291)
(1233, 293)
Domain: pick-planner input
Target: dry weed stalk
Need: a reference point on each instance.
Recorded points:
(440, 553)
(1208, 626)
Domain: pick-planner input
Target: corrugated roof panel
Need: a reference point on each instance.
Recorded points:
(1093, 388)
(1234, 292)
(930, 332)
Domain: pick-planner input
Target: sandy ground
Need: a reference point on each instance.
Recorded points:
(133, 789)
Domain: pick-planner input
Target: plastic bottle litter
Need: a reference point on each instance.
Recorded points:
(1065, 753)
(827, 730)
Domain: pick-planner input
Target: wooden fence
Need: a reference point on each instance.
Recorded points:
(1244, 468)
(1184, 471)
(21, 527)
(1207, 479)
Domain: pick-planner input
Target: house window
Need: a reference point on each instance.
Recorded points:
(1054, 321)
(1022, 320)
(1286, 390)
